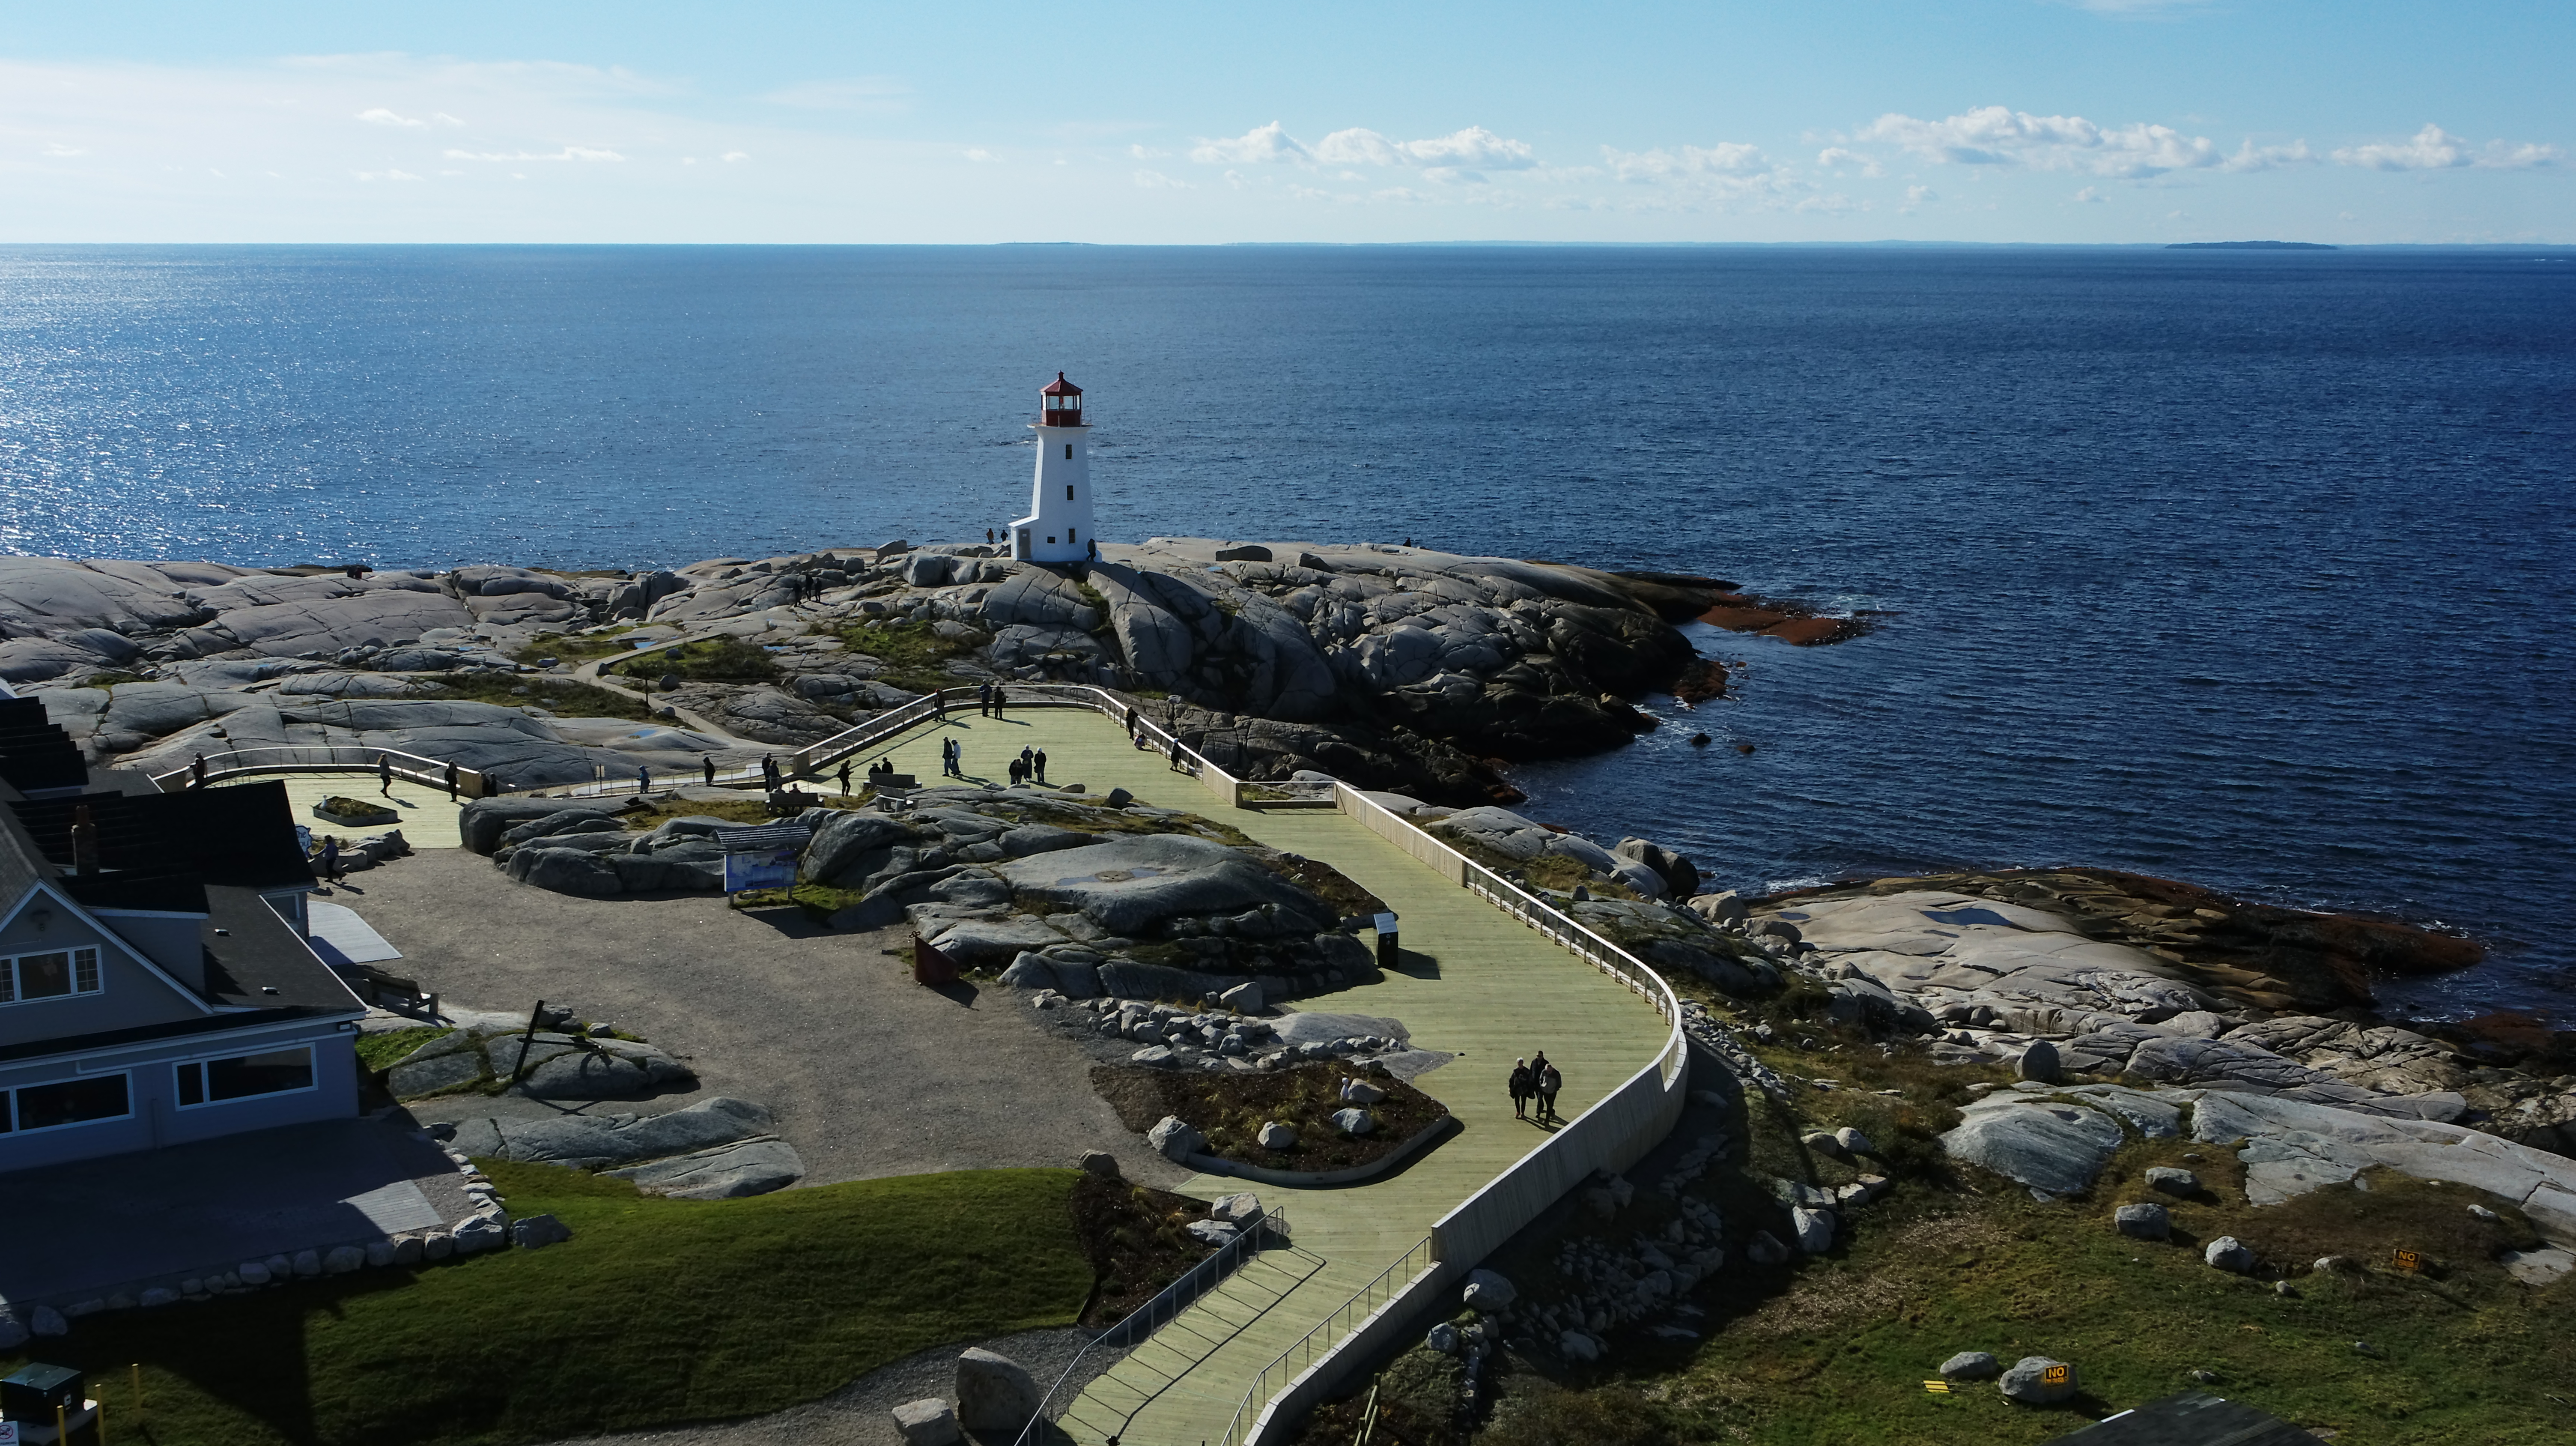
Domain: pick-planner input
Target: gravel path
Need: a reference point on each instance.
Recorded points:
(869, 1073)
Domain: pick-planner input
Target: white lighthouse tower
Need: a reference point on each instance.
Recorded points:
(1058, 527)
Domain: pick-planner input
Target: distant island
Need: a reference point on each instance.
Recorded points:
(2249, 246)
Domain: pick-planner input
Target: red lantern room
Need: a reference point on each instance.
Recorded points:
(1063, 404)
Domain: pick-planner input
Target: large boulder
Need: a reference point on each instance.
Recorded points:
(2049, 1146)
(994, 1392)
(1176, 1140)
(1129, 885)
(481, 822)
(2039, 1381)
(566, 871)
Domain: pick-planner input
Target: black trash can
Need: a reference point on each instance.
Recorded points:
(1386, 950)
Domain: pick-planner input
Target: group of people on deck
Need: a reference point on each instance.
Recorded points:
(1535, 1079)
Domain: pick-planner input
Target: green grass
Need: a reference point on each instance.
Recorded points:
(608, 643)
(382, 1049)
(916, 659)
(656, 1312)
(708, 660)
(1834, 1351)
(572, 700)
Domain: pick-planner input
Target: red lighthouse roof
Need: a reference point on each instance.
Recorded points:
(1060, 388)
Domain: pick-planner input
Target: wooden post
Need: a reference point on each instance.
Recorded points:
(525, 1040)
(62, 1433)
(98, 1420)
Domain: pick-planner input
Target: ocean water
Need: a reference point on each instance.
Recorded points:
(2250, 569)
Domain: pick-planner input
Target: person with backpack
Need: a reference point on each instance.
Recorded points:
(1544, 1075)
(1522, 1088)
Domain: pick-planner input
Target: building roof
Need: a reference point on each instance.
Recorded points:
(22, 864)
(1060, 388)
(2190, 1418)
(35, 754)
(241, 834)
(255, 960)
(149, 893)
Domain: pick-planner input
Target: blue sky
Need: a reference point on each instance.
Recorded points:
(1976, 120)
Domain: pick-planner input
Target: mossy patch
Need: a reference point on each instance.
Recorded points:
(560, 696)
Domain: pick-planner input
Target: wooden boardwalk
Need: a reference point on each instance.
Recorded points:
(1475, 982)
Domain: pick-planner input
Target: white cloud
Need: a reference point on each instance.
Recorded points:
(1474, 148)
(2251, 157)
(1835, 158)
(1156, 180)
(2090, 193)
(1726, 158)
(1994, 136)
(383, 117)
(731, 156)
(866, 92)
(387, 176)
(1148, 153)
(2435, 149)
(568, 153)
(983, 157)
(59, 150)
(1917, 195)
(1261, 145)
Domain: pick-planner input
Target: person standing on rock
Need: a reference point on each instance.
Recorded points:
(1522, 1088)
(1037, 764)
(1549, 1082)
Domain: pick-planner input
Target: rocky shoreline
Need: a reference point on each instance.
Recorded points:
(1419, 673)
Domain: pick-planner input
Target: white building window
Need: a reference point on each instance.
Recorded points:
(1068, 492)
(1068, 456)
(70, 1102)
(56, 974)
(213, 1081)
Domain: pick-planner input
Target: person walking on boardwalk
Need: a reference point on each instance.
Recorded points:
(707, 763)
(197, 772)
(984, 700)
(331, 857)
(643, 779)
(1176, 755)
(1544, 1075)
(939, 704)
(769, 771)
(1037, 765)
(1019, 773)
(385, 774)
(451, 782)
(1522, 1089)
(997, 700)
(845, 777)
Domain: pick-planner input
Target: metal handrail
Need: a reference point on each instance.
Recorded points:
(1559, 927)
(1423, 1256)
(1244, 1245)
(412, 767)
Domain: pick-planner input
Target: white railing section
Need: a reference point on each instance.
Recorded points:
(1154, 1314)
(316, 758)
(1315, 1346)
(1611, 1135)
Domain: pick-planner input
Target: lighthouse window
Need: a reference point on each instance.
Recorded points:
(1068, 492)
(1069, 538)
(1068, 453)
